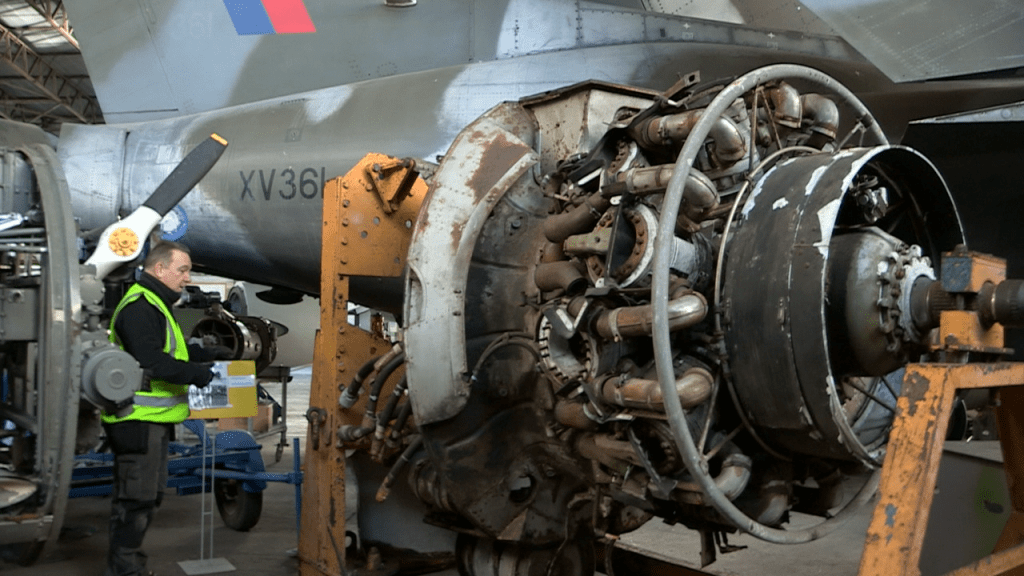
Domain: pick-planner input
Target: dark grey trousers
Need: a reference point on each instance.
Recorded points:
(140, 474)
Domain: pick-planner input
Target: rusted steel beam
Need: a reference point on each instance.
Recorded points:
(56, 16)
(44, 78)
(321, 548)
(896, 533)
(356, 231)
(1010, 419)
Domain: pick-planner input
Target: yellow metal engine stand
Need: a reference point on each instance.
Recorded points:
(896, 533)
(368, 217)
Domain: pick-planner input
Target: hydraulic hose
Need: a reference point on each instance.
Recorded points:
(351, 393)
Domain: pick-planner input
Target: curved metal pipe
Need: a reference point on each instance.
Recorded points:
(648, 180)
(578, 220)
(693, 388)
(562, 275)
(552, 252)
(573, 415)
(822, 113)
(667, 130)
(632, 321)
(663, 246)
(786, 102)
(607, 450)
(773, 502)
(699, 195)
(731, 481)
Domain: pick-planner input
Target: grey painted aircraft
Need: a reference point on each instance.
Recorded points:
(302, 108)
(301, 98)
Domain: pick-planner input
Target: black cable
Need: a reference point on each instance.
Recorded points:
(378, 382)
(389, 408)
(385, 486)
(403, 417)
(351, 392)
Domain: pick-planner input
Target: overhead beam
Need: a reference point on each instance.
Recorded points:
(55, 14)
(46, 80)
(41, 111)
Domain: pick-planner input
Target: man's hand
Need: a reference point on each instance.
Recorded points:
(208, 374)
(222, 352)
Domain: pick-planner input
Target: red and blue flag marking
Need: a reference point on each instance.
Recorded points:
(269, 17)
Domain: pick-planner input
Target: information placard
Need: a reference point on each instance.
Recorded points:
(231, 393)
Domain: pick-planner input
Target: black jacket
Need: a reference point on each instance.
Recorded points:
(142, 329)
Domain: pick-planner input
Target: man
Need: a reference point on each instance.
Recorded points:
(144, 326)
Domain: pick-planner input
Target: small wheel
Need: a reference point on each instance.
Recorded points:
(239, 509)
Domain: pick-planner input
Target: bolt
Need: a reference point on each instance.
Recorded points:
(373, 559)
(344, 221)
(345, 203)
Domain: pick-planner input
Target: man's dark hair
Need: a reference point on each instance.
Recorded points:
(161, 252)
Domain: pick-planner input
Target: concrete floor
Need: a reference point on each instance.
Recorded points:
(174, 535)
(265, 549)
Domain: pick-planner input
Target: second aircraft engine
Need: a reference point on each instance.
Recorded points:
(693, 305)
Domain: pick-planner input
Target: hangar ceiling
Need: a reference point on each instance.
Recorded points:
(43, 79)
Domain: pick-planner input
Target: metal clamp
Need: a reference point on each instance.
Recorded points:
(316, 418)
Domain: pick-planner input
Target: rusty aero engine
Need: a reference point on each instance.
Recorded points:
(693, 305)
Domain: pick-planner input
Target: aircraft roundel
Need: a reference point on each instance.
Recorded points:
(174, 224)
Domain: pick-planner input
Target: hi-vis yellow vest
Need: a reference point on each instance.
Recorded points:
(165, 402)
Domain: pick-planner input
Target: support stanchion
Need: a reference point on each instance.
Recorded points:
(207, 564)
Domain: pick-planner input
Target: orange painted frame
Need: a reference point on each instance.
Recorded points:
(896, 533)
(361, 237)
